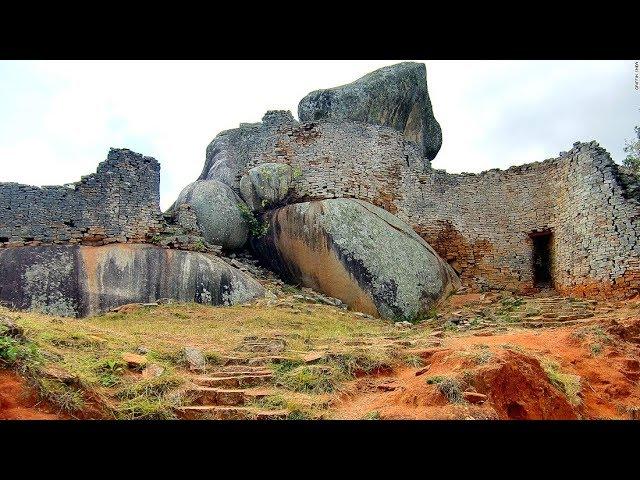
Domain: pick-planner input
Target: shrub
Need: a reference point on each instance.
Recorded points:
(567, 383)
(310, 379)
(257, 228)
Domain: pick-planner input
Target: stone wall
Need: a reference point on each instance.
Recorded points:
(480, 223)
(119, 203)
(330, 160)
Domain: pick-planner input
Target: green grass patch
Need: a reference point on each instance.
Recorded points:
(310, 379)
(567, 383)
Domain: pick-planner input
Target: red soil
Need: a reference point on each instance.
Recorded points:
(19, 402)
(512, 380)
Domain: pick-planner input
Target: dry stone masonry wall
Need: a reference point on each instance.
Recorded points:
(119, 203)
(482, 224)
(486, 225)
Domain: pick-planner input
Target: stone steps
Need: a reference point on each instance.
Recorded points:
(239, 370)
(253, 361)
(230, 392)
(232, 381)
(224, 397)
(215, 412)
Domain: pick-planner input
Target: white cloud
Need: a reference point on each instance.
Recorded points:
(58, 118)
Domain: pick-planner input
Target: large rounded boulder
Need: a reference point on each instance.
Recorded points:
(217, 210)
(266, 185)
(359, 253)
(80, 280)
(395, 96)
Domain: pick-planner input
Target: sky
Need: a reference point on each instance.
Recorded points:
(58, 119)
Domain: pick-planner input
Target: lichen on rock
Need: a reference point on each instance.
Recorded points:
(359, 253)
(395, 96)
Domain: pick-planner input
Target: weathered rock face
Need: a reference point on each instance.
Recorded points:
(118, 203)
(231, 150)
(78, 281)
(217, 213)
(266, 185)
(395, 96)
(356, 252)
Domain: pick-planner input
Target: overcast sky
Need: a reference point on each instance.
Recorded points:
(59, 118)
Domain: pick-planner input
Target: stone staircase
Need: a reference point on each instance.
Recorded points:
(557, 309)
(229, 393)
(537, 311)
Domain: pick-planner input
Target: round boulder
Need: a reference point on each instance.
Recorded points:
(217, 209)
(72, 280)
(359, 253)
(266, 184)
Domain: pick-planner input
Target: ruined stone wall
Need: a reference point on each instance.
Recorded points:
(480, 223)
(597, 220)
(118, 203)
(330, 160)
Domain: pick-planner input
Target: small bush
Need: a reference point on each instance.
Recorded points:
(13, 351)
(375, 415)
(109, 371)
(435, 379)
(567, 383)
(414, 361)
(310, 379)
(448, 386)
(360, 362)
(257, 228)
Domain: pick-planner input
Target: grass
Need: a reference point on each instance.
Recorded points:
(310, 379)
(510, 304)
(91, 350)
(110, 371)
(24, 356)
(414, 361)
(300, 408)
(567, 383)
(596, 348)
(360, 361)
(450, 387)
(596, 336)
(374, 415)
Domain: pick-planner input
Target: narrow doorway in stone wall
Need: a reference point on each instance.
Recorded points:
(542, 259)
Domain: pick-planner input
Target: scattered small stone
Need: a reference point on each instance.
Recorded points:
(10, 329)
(387, 387)
(313, 357)
(437, 334)
(134, 361)
(474, 397)
(152, 371)
(195, 358)
(403, 324)
(56, 373)
(485, 333)
(423, 370)
(142, 350)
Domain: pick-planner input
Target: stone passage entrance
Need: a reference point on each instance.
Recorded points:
(542, 258)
